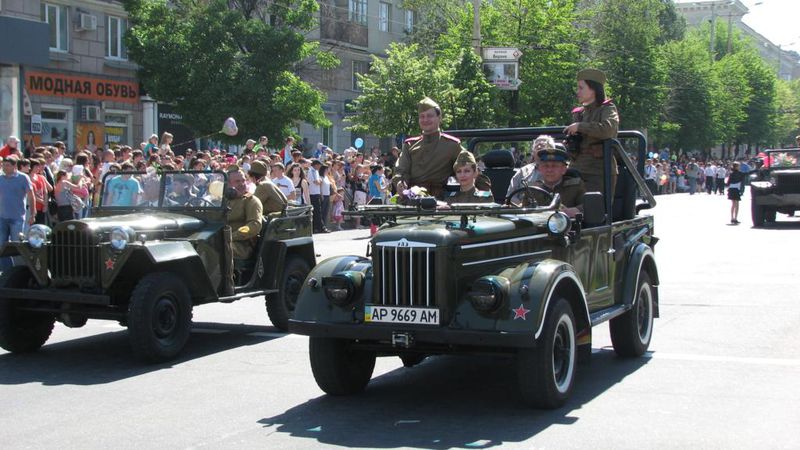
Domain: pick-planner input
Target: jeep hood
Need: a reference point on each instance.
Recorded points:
(139, 222)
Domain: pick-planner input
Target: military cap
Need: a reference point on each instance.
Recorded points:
(464, 158)
(232, 168)
(592, 75)
(552, 154)
(258, 168)
(426, 104)
(183, 177)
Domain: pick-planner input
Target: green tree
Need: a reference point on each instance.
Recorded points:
(761, 109)
(476, 101)
(391, 90)
(731, 94)
(220, 58)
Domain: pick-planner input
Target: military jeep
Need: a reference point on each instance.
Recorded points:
(154, 248)
(775, 187)
(528, 282)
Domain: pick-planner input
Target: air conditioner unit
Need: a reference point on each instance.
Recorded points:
(90, 113)
(87, 22)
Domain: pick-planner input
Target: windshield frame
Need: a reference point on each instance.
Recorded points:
(161, 192)
(795, 152)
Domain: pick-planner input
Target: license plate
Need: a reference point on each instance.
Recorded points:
(395, 314)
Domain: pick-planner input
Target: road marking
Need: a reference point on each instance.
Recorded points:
(208, 331)
(724, 359)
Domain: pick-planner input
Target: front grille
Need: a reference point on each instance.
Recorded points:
(788, 183)
(74, 258)
(405, 273)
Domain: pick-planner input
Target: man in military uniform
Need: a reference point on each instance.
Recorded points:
(271, 197)
(595, 121)
(553, 166)
(244, 223)
(466, 173)
(180, 190)
(427, 160)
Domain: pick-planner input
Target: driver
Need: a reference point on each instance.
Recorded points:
(181, 190)
(553, 167)
(466, 173)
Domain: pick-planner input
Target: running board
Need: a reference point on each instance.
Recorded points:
(609, 313)
(247, 294)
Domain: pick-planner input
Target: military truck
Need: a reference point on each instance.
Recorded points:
(775, 186)
(529, 283)
(153, 248)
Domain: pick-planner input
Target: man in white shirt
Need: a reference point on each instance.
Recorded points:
(283, 182)
(315, 192)
(720, 175)
(650, 176)
(710, 172)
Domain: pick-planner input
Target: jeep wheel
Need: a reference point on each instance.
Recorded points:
(632, 331)
(757, 214)
(339, 369)
(280, 306)
(546, 373)
(21, 331)
(159, 317)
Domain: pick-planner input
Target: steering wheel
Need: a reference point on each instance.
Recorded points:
(527, 195)
(199, 202)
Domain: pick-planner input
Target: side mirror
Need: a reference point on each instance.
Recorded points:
(594, 209)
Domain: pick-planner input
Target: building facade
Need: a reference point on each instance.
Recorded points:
(81, 89)
(786, 63)
(354, 30)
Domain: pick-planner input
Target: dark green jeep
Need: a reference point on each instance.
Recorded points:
(525, 282)
(154, 248)
(775, 187)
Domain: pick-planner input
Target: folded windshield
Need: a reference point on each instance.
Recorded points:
(153, 189)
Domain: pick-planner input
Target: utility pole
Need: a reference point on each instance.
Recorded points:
(730, 31)
(711, 43)
(476, 26)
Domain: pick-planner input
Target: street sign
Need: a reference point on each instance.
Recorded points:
(501, 54)
(504, 75)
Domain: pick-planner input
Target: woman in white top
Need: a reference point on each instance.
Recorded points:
(166, 140)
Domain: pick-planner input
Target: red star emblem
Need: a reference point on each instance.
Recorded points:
(109, 264)
(520, 312)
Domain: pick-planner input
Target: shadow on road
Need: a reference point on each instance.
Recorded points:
(107, 357)
(444, 402)
(784, 223)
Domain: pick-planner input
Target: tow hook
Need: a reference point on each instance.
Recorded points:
(404, 340)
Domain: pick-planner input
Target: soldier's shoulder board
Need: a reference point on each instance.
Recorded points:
(412, 139)
(577, 110)
(451, 138)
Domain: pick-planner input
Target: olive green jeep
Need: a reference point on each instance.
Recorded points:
(528, 282)
(775, 186)
(153, 248)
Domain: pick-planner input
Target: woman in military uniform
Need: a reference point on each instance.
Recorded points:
(595, 121)
(466, 173)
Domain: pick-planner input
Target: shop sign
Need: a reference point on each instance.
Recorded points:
(61, 85)
(115, 135)
(36, 124)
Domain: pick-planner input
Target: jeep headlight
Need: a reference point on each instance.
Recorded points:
(558, 224)
(341, 289)
(487, 294)
(38, 235)
(120, 236)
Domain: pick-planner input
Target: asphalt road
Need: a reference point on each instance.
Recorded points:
(722, 372)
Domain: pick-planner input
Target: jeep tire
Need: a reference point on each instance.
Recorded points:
(757, 214)
(338, 368)
(546, 373)
(21, 331)
(632, 331)
(280, 306)
(159, 317)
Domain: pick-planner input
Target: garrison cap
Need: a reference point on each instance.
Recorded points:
(464, 158)
(426, 104)
(592, 75)
(258, 168)
(552, 154)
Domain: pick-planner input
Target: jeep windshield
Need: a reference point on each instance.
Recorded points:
(162, 190)
(784, 159)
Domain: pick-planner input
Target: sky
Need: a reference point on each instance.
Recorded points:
(776, 20)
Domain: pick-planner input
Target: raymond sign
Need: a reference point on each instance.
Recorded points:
(59, 85)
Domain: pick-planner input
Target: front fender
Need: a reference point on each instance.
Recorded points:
(34, 259)
(312, 305)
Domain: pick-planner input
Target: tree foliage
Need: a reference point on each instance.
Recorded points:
(220, 58)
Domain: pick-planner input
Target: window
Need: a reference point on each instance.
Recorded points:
(384, 16)
(357, 11)
(361, 67)
(56, 125)
(117, 128)
(409, 21)
(116, 28)
(56, 17)
(327, 136)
